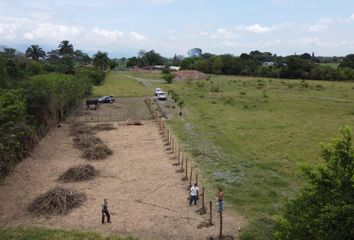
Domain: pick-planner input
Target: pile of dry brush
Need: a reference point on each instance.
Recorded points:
(82, 172)
(58, 201)
(84, 139)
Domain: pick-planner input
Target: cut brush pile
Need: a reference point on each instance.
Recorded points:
(58, 201)
(84, 139)
(79, 173)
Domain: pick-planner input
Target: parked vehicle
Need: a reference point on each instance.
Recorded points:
(158, 91)
(106, 99)
(161, 96)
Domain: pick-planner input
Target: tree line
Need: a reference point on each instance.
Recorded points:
(38, 89)
(265, 64)
(255, 63)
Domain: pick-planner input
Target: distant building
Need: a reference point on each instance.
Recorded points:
(268, 64)
(175, 68)
(158, 67)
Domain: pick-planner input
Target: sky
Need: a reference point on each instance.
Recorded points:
(122, 27)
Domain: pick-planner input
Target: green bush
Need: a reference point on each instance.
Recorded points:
(324, 209)
(168, 77)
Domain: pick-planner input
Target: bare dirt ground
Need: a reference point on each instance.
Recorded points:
(147, 198)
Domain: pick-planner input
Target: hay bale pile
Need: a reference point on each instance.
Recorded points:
(84, 139)
(58, 201)
(79, 173)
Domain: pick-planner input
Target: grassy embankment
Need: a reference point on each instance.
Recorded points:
(252, 135)
(35, 233)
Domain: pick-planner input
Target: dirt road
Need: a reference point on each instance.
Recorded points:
(147, 198)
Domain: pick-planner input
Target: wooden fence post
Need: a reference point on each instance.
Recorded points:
(172, 144)
(191, 176)
(186, 168)
(179, 154)
(210, 213)
(220, 234)
(196, 178)
(182, 162)
(203, 198)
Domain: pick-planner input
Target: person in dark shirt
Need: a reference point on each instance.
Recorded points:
(221, 200)
(105, 212)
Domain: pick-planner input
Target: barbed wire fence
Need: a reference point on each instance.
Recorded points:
(187, 167)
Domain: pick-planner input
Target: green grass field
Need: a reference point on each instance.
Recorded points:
(333, 65)
(35, 233)
(253, 135)
(118, 84)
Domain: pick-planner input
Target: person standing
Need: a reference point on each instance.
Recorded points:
(194, 194)
(221, 200)
(105, 212)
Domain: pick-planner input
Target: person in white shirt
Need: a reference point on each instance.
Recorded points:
(194, 192)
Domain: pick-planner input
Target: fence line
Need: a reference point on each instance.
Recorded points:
(182, 160)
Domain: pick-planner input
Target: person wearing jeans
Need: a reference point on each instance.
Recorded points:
(221, 200)
(194, 194)
(105, 212)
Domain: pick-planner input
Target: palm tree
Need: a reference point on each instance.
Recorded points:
(101, 60)
(65, 48)
(35, 52)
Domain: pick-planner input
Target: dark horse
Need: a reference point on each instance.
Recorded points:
(92, 102)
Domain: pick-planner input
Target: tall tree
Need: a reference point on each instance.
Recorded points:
(101, 60)
(53, 56)
(324, 209)
(348, 61)
(35, 52)
(65, 48)
(81, 57)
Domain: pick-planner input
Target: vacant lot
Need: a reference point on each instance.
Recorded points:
(253, 135)
(146, 196)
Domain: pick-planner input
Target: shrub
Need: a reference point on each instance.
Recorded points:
(168, 77)
(324, 209)
(214, 88)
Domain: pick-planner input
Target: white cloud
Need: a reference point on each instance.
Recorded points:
(322, 43)
(107, 35)
(49, 31)
(8, 31)
(136, 36)
(318, 27)
(256, 28)
(223, 33)
(29, 31)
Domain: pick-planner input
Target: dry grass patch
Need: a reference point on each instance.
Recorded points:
(82, 172)
(58, 201)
